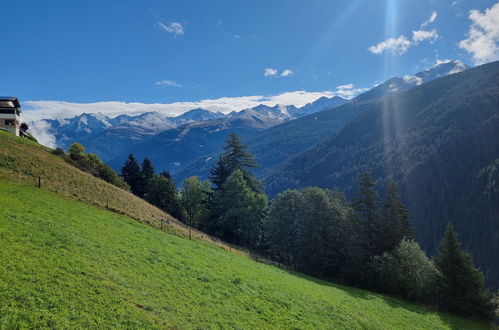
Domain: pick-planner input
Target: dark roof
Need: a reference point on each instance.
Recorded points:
(13, 99)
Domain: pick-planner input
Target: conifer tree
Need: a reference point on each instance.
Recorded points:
(366, 203)
(396, 224)
(367, 207)
(235, 156)
(460, 284)
(147, 173)
(131, 173)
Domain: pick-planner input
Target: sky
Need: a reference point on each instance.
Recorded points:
(62, 58)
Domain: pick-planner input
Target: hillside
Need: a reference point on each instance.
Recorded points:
(23, 161)
(66, 264)
(440, 142)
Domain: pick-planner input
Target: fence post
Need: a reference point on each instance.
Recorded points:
(39, 182)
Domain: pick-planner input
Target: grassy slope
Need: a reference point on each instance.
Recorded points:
(67, 264)
(24, 161)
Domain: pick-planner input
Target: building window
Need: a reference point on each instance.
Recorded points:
(10, 122)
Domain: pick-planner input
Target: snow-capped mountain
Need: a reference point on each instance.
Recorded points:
(397, 84)
(320, 104)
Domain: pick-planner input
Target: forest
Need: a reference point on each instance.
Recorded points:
(367, 241)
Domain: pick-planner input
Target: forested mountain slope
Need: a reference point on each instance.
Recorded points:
(277, 144)
(66, 264)
(440, 142)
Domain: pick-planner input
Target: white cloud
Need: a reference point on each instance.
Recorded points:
(40, 129)
(391, 45)
(413, 80)
(347, 86)
(170, 83)
(400, 45)
(482, 40)
(35, 110)
(174, 27)
(269, 72)
(430, 20)
(237, 36)
(421, 35)
(287, 73)
(348, 91)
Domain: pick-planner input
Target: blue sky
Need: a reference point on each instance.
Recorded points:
(180, 51)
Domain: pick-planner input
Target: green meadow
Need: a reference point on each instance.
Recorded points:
(66, 264)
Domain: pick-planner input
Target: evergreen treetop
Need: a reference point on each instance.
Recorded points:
(234, 157)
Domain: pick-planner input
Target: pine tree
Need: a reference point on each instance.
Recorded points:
(235, 156)
(366, 203)
(396, 224)
(147, 173)
(367, 207)
(131, 173)
(460, 284)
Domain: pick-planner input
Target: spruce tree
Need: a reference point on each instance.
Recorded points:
(147, 173)
(234, 157)
(366, 203)
(131, 173)
(367, 207)
(460, 284)
(395, 222)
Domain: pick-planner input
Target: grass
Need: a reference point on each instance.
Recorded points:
(23, 161)
(66, 264)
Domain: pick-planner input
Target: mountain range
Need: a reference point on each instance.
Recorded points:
(278, 143)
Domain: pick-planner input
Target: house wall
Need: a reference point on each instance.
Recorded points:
(14, 129)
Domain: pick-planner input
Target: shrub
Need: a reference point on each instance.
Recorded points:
(412, 275)
(58, 152)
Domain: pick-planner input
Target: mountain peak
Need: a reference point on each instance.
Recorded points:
(442, 69)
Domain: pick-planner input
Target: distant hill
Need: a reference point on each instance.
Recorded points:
(68, 265)
(439, 141)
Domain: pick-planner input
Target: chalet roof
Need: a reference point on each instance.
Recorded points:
(13, 99)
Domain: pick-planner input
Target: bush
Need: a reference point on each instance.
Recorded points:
(410, 273)
(76, 151)
(106, 173)
(58, 152)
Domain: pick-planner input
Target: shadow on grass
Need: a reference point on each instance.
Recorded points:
(452, 321)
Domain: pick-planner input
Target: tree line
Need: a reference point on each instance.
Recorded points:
(366, 242)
